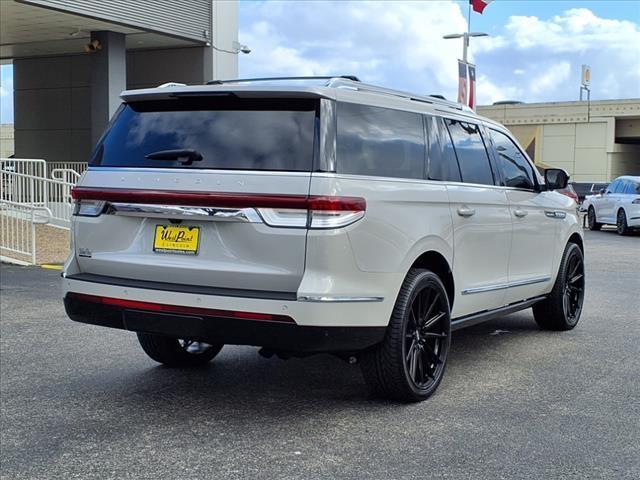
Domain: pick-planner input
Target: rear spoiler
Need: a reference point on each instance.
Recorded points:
(253, 91)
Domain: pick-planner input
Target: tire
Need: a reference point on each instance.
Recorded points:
(174, 352)
(562, 308)
(591, 220)
(621, 223)
(409, 363)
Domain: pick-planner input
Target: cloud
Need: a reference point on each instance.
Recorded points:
(399, 44)
(545, 56)
(396, 44)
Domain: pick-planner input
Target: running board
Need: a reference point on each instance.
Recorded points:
(476, 318)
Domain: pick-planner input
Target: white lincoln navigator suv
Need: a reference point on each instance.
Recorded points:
(308, 215)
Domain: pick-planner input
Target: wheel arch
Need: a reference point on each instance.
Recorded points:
(437, 263)
(577, 239)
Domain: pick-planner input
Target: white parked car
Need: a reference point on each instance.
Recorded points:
(317, 215)
(618, 204)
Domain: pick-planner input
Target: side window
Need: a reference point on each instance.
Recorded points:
(379, 142)
(471, 152)
(623, 187)
(441, 159)
(613, 187)
(516, 170)
(629, 187)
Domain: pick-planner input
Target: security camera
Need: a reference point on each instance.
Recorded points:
(244, 49)
(92, 46)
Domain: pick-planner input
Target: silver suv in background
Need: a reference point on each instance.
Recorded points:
(316, 215)
(618, 204)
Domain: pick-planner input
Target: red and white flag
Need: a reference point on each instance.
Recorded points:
(472, 86)
(462, 82)
(479, 5)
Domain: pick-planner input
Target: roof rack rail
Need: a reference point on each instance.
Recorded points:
(354, 83)
(353, 78)
(172, 84)
(365, 87)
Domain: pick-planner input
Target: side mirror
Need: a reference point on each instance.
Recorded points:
(602, 190)
(556, 178)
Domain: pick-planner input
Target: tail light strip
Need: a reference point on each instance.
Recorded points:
(293, 211)
(220, 199)
(161, 307)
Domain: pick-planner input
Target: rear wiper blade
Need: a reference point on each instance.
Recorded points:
(186, 156)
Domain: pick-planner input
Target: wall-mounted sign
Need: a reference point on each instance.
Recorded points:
(586, 75)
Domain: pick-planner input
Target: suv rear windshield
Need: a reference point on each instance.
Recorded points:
(211, 132)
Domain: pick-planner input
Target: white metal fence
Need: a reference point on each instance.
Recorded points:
(18, 228)
(77, 167)
(33, 191)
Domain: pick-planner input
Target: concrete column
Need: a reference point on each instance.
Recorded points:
(108, 79)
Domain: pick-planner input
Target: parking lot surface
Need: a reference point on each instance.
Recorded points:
(79, 401)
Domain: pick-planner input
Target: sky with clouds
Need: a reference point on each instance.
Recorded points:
(534, 52)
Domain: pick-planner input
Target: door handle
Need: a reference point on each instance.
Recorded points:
(466, 211)
(520, 213)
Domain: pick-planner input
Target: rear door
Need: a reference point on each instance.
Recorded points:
(193, 190)
(481, 222)
(606, 202)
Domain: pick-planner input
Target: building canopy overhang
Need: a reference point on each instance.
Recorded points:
(33, 28)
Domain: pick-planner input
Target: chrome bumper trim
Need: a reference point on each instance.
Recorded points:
(247, 215)
(325, 299)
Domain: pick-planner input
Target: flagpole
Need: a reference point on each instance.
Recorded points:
(466, 36)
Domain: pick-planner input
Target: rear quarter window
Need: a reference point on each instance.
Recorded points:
(379, 142)
(442, 163)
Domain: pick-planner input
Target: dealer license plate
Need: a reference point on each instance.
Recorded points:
(176, 239)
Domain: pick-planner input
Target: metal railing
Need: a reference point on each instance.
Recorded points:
(18, 228)
(77, 167)
(33, 191)
(20, 180)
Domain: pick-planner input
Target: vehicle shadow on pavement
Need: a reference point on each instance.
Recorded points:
(239, 381)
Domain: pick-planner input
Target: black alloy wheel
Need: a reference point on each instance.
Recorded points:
(409, 363)
(591, 219)
(573, 289)
(621, 223)
(562, 308)
(426, 338)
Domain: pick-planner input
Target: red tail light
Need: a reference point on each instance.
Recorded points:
(571, 194)
(276, 210)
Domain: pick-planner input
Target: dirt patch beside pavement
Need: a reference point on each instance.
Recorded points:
(52, 243)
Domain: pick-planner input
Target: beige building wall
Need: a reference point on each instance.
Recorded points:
(596, 142)
(6, 140)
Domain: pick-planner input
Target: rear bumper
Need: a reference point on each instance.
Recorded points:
(221, 327)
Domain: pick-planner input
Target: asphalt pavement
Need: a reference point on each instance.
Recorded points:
(78, 401)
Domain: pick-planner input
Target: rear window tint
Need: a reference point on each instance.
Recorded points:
(228, 133)
(379, 142)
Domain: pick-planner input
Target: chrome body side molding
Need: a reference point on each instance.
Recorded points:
(555, 214)
(503, 286)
